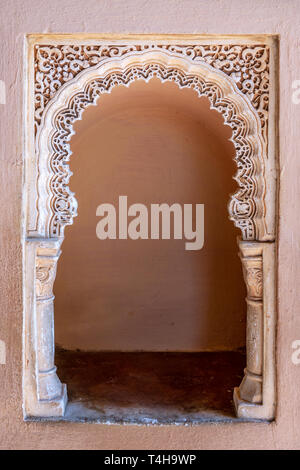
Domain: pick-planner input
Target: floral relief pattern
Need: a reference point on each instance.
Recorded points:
(247, 65)
(254, 277)
(45, 276)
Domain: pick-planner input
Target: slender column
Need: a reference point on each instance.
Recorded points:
(49, 387)
(251, 387)
(255, 397)
(250, 390)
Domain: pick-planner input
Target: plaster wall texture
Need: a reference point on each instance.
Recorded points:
(171, 16)
(156, 144)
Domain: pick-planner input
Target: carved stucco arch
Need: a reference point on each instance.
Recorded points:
(67, 79)
(57, 204)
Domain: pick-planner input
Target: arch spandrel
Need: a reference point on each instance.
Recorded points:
(57, 204)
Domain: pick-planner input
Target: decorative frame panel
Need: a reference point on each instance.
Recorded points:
(67, 73)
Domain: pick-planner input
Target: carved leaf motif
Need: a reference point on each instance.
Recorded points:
(255, 282)
(42, 273)
(45, 276)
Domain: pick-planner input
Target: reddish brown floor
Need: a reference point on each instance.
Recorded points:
(150, 387)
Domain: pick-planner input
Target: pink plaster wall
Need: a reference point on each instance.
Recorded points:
(171, 16)
(154, 143)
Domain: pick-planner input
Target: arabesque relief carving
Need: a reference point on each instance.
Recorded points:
(254, 280)
(45, 276)
(242, 207)
(247, 65)
(246, 207)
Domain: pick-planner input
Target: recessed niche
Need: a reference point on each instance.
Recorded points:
(153, 143)
(146, 330)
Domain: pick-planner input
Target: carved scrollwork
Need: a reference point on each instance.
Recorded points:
(242, 206)
(45, 276)
(255, 282)
(43, 273)
(246, 65)
(45, 268)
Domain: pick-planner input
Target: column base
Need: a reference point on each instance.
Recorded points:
(250, 389)
(48, 408)
(245, 409)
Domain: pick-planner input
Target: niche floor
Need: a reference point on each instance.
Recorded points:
(150, 387)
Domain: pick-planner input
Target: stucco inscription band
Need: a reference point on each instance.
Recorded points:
(63, 79)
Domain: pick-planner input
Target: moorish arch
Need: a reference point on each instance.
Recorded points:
(51, 205)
